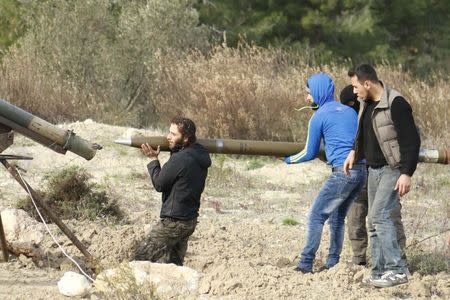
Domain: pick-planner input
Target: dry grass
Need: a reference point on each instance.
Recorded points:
(250, 93)
(246, 92)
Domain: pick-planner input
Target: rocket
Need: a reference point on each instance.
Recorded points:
(263, 148)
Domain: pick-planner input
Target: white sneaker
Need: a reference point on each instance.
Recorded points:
(370, 278)
(389, 279)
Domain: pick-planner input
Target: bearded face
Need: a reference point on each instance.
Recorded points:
(175, 138)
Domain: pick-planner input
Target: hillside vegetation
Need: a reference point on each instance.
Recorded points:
(138, 63)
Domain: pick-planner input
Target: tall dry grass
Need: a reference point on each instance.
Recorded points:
(42, 94)
(251, 93)
(246, 92)
(429, 101)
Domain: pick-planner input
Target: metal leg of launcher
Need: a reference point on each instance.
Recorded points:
(3, 241)
(12, 170)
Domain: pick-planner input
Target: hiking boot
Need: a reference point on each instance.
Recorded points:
(298, 269)
(389, 279)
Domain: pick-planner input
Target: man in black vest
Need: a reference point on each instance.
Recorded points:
(387, 138)
(181, 181)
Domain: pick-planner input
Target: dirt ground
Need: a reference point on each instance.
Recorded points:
(240, 246)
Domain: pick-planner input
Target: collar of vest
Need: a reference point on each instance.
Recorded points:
(384, 101)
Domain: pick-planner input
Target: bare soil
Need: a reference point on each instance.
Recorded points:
(240, 246)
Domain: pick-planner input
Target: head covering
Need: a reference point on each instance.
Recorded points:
(347, 96)
(322, 88)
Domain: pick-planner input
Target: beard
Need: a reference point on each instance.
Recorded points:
(177, 145)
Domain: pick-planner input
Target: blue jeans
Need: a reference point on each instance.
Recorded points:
(332, 202)
(383, 201)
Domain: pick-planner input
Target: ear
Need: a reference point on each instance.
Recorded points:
(185, 140)
(367, 84)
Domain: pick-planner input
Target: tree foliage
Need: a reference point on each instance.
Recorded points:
(104, 50)
(11, 23)
(411, 32)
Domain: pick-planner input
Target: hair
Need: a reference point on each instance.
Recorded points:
(186, 127)
(347, 95)
(364, 72)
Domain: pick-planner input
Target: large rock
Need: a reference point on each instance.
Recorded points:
(166, 280)
(73, 284)
(23, 233)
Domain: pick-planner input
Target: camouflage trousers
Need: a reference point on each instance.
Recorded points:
(357, 230)
(167, 241)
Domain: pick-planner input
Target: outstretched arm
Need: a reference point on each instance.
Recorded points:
(312, 143)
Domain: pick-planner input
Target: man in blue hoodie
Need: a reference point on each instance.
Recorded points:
(336, 124)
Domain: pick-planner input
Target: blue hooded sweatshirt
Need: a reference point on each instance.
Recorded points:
(334, 122)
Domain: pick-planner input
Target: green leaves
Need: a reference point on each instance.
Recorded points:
(410, 32)
(11, 23)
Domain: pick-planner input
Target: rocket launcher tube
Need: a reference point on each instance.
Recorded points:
(224, 146)
(45, 133)
(264, 148)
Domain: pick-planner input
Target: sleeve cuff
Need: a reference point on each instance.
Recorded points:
(152, 164)
(407, 171)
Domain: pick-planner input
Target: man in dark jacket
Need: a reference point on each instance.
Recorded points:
(181, 181)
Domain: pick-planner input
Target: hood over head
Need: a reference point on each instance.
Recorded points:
(200, 154)
(321, 87)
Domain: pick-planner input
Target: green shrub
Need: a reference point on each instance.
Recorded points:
(428, 263)
(290, 222)
(69, 194)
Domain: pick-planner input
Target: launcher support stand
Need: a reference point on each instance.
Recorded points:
(3, 241)
(48, 212)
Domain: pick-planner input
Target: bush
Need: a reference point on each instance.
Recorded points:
(428, 263)
(70, 195)
(96, 59)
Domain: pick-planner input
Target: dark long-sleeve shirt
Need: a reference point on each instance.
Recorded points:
(407, 135)
(181, 181)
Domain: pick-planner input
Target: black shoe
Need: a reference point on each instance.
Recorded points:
(298, 269)
(358, 262)
(323, 268)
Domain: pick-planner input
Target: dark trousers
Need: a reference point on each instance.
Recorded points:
(167, 241)
(357, 230)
